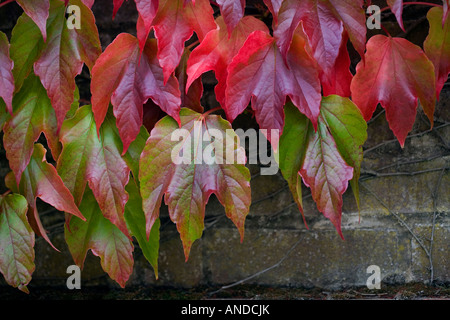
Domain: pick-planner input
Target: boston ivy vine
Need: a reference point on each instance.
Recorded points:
(112, 168)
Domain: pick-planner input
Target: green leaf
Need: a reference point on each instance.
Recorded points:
(292, 150)
(135, 218)
(26, 47)
(16, 242)
(87, 158)
(437, 46)
(103, 238)
(188, 185)
(4, 115)
(33, 115)
(134, 151)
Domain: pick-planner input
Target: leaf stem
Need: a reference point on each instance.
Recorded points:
(6, 2)
(420, 3)
(211, 111)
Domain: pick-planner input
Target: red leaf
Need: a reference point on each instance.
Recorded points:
(437, 47)
(59, 62)
(37, 10)
(232, 12)
(323, 22)
(397, 8)
(6, 76)
(445, 7)
(217, 51)
(396, 74)
(147, 11)
(258, 73)
(174, 24)
(274, 8)
(128, 79)
(116, 6)
(339, 78)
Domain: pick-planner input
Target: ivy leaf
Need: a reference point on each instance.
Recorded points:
(217, 50)
(93, 158)
(33, 115)
(396, 73)
(397, 8)
(128, 79)
(258, 73)
(437, 47)
(147, 12)
(4, 115)
(135, 218)
(40, 179)
(103, 238)
(232, 12)
(188, 185)
(16, 242)
(323, 22)
(26, 46)
(274, 8)
(325, 160)
(338, 80)
(445, 13)
(64, 53)
(38, 11)
(174, 24)
(6, 76)
(349, 131)
(190, 96)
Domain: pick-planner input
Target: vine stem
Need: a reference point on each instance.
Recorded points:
(420, 3)
(6, 2)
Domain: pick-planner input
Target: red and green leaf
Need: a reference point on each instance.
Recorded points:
(41, 180)
(16, 242)
(396, 73)
(6, 76)
(64, 54)
(326, 160)
(190, 96)
(188, 185)
(38, 11)
(437, 47)
(128, 79)
(103, 238)
(33, 115)
(96, 159)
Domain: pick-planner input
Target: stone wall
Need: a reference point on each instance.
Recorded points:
(403, 224)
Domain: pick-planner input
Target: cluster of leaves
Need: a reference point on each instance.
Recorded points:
(108, 165)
